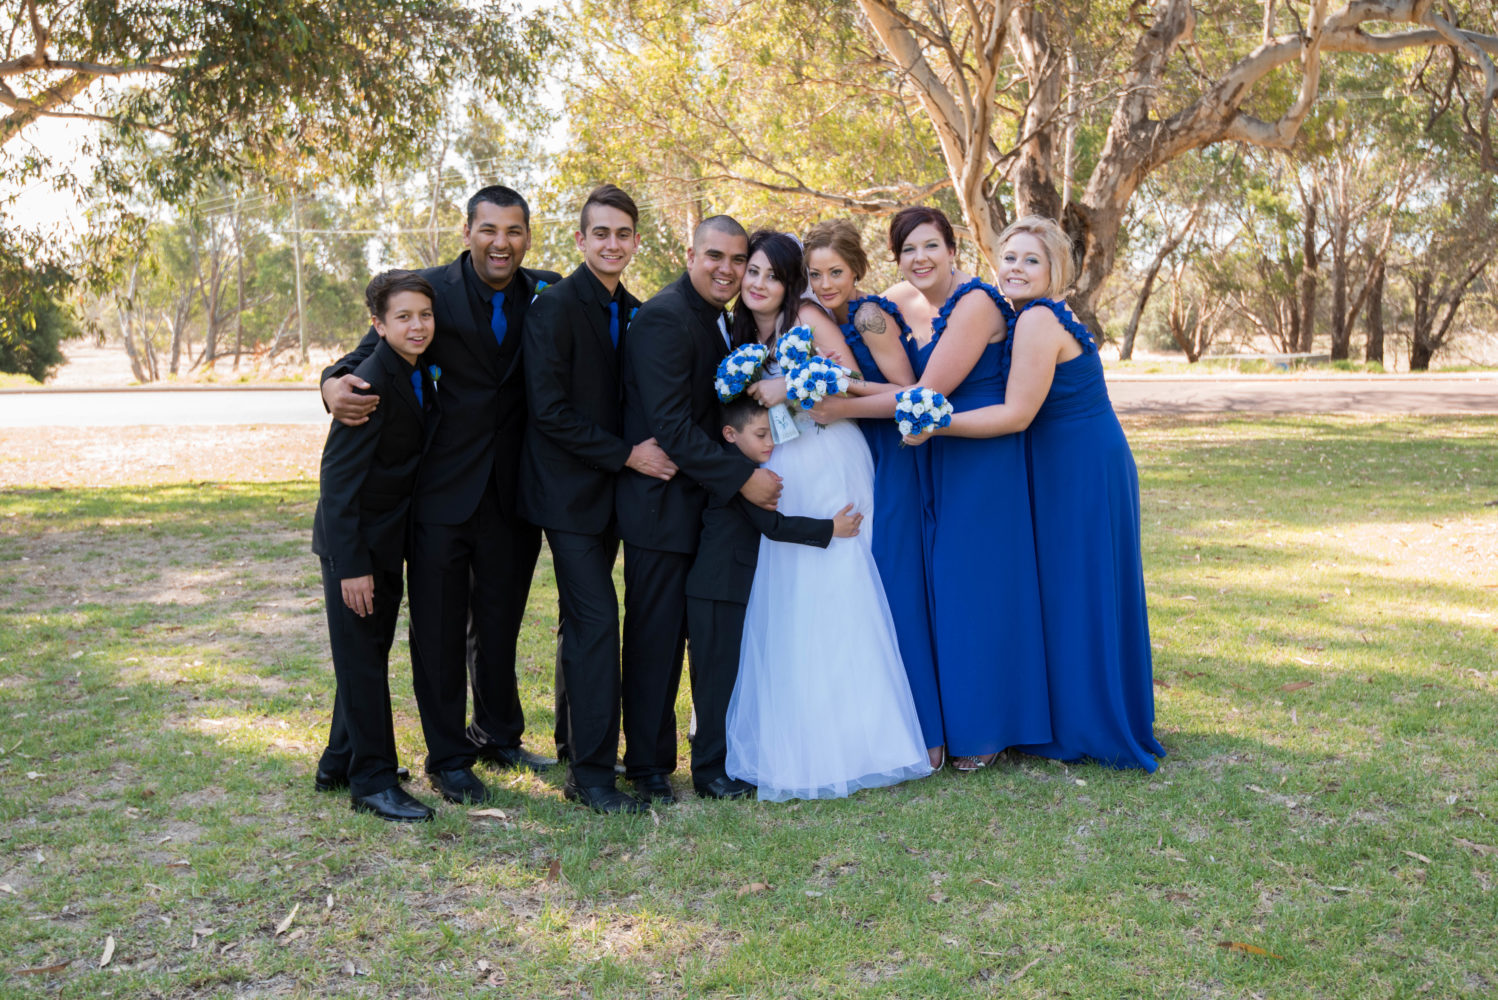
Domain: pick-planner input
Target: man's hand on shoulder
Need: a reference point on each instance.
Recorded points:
(649, 459)
(762, 489)
(347, 406)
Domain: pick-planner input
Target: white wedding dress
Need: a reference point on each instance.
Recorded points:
(822, 706)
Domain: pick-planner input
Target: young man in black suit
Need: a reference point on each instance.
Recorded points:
(670, 358)
(470, 546)
(722, 575)
(360, 530)
(574, 450)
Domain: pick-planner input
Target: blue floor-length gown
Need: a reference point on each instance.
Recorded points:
(1085, 500)
(1084, 490)
(985, 596)
(898, 533)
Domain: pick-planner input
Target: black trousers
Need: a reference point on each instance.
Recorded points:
(655, 638)
(361, 740)
(588, 651)
(716, 628)
(484, 564)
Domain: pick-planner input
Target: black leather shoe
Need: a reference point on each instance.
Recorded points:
(395, 805)
(603, 798)
(325, 782)
(515, 757)
(654, 789)
(459, 785)
(724, 788)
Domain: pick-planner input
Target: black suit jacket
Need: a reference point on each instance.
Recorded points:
(369, 472)
(573, 444)
(729, 552)
(670, 358)
(483, 398)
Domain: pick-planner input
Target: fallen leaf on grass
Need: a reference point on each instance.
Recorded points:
(1297, 686)
(554, 870)
(1477, 848)
(1178, 897)
(43, 970)
(299, 932)
(7, 887)
(937, 897)
(33, 775)
(1193, 674)
(1026, 967)
(1418, 857)
(228, 947)
(179, 863)
(285, 925)
(1248, 949)
(487, 814)
(108, 955)
(348, 969)
(813, 894)
(752, 887)
(1161, 683)
(1302, 659)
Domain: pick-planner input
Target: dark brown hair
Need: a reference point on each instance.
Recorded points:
(789, 268)
(908, 220)
(609, 196)
(387, 283)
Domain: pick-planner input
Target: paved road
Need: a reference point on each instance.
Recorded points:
(1132, 394)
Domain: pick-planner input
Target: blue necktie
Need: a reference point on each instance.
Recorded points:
(497, 322)
(614, 323)
(416, 387)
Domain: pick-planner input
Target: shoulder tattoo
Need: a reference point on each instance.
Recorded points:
(869, 319)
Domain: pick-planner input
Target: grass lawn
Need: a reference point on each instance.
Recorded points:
(1324, 602)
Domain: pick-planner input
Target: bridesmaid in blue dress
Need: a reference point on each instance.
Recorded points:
(981, 567)
(877, 348)
(1085, 492)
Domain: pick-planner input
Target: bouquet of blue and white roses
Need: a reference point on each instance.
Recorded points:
(808, 376)
(740, 367)
(810, 382)
(920, 410)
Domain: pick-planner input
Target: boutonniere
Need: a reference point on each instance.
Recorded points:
(435, 373)
(541, 286)
(632, 313)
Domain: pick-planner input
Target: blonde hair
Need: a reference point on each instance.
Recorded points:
(839, 236)
(1057, 246)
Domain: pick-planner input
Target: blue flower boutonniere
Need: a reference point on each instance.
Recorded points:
(541, 286)
(435, 373)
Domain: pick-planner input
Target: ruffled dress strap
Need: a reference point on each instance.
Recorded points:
(1070, 323)
(939, 324)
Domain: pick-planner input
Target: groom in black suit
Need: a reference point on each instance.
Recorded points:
(470, 547)
(670, 358)
(574, 450)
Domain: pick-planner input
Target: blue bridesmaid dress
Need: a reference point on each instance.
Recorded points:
(985, 596)
(1084, 491)
(898, 532)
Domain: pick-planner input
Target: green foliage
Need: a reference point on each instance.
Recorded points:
(34, 319)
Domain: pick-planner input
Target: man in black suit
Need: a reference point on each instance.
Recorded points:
(470, 546)
(574, 450)
(670, 358)
(367, 479)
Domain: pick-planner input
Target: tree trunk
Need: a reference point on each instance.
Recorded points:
(1341, 319)
(1126, 350)
(1420, 348)
(1375, 349)
(1305, 283)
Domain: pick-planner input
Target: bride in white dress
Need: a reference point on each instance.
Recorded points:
(822, 706)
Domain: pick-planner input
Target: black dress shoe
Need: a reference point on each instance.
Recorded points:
(724, 788)
(654, 788)
(395, 805)
(459, 785)
(603, 798)
(515, 757)
(323, 781)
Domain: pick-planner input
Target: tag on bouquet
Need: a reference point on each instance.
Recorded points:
(782, 426)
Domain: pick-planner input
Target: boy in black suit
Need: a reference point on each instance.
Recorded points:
(360, 531)
(574, 450)
(719, 583)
